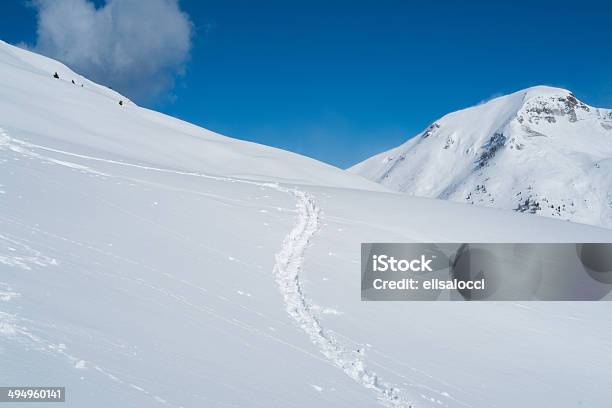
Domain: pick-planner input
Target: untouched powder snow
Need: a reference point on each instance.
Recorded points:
(539, 151)
(147, 262)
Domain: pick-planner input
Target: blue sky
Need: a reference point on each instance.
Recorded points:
(342, 80)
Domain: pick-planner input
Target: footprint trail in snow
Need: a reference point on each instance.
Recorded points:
(289, 263)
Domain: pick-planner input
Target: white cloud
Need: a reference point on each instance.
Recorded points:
(137, 47)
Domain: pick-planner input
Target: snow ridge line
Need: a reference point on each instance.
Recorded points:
(289, 262)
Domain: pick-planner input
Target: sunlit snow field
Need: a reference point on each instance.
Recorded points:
(146, 262)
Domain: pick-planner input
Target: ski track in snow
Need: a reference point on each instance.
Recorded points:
(289, 263)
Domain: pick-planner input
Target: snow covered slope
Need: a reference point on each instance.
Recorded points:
(145, 262)
(538, 151)
(89, 116)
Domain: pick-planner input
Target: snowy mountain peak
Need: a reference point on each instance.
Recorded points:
(542, 90)
(539, 150)
(549, 104)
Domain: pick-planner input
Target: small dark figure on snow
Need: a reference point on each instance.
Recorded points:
(74, 83)
(121, 103)
(56, 76)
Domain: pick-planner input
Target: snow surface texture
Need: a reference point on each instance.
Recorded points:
(539, 151)
(147, 262)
